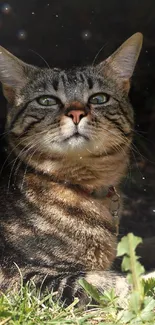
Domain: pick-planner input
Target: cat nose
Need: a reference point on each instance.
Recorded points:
(76, 115)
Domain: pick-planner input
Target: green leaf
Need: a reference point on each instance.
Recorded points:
(149, 304)
(149, 286)
(147, 312)
(90, 289)
(130, 262)
(125, 316)
(135, 302)
(124, 245)
(108, 296)
(126, 264)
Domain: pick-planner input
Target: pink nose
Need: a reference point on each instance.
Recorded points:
(76, 115)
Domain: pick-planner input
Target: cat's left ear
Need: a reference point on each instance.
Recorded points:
(124, 59)
(13, 73)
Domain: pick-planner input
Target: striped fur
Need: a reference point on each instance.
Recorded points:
(53, 231)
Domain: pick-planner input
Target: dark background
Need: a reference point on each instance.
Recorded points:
(75, 32)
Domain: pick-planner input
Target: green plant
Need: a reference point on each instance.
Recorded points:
(140, 301)
(28, 307)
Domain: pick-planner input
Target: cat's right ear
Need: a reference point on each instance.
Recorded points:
(122, 62)
(13, 73)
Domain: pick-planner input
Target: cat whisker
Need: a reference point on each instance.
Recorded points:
(20, 162)
(10, 153)
(3, 135)
(21, 151)
(27, 165)
(136, 163)
(40, 56)
(100, 50)
(135, 149)
(13, 150)
(16, 170)
(16, 159)
(103, 147)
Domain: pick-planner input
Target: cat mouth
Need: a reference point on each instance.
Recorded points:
(77, 136)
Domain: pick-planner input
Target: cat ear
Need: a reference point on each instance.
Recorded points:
(124, 59)
(13, 73)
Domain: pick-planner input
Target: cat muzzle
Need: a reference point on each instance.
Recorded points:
(76, 113)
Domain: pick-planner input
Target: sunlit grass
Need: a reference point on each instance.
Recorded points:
(29, 307)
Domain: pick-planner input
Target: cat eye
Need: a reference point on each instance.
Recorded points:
(47, 100)
(98, 99)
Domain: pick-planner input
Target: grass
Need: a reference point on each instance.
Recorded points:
(28, 307)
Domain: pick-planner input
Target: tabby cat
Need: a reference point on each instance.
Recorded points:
(68, 138)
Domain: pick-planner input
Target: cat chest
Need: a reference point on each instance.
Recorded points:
(70, 227)
(49, 228)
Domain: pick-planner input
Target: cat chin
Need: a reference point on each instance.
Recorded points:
(71, 147)
(74, 142)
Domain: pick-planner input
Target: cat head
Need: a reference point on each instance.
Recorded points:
(80, 111)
